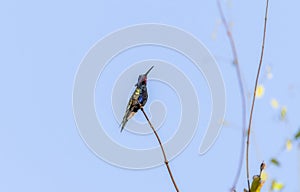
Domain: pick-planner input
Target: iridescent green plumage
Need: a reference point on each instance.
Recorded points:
(138, 98)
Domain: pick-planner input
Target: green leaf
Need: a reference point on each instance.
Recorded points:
(275, 162)
(283, 112)
(255, 183)
(297, 136)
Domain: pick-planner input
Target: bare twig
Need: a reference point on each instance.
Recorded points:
(254, 93)
(242, 93)
(162, 149)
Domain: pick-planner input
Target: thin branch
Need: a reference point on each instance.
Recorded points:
(254, 93)
(162, 149)
(242, 93)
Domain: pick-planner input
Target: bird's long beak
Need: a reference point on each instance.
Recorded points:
(148, 71)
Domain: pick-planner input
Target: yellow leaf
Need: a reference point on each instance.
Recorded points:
(288, 145)
(264, 176)
(283, 112)
(274, 103)
(259, 91)
(276, 186)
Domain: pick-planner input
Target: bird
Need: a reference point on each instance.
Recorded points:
(138, 98)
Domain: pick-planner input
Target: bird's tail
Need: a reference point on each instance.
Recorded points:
(122, 125)
(125, 119)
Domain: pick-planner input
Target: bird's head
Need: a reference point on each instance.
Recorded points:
(142, 80)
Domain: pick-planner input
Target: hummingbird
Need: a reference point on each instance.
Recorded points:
(138, 98)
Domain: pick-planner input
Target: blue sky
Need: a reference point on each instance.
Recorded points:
(42, 45)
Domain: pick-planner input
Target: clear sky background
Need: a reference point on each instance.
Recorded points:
(42, 45)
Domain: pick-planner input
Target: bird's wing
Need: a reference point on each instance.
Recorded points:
(132, 101)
